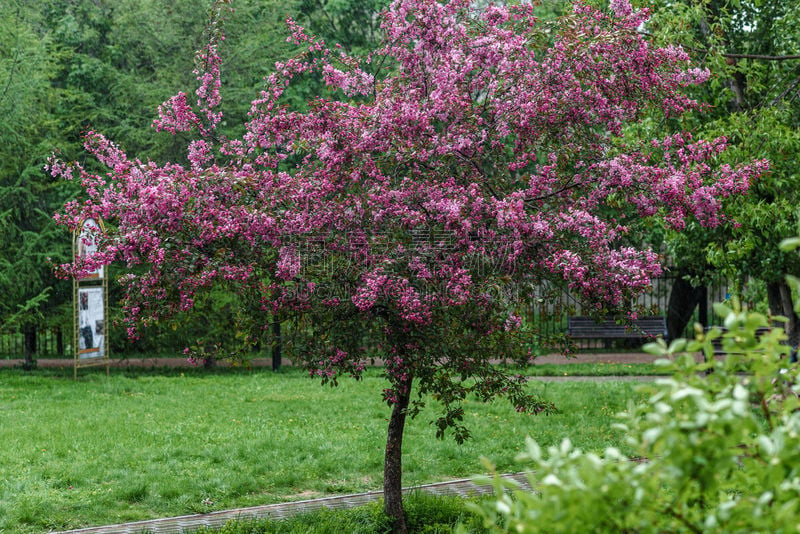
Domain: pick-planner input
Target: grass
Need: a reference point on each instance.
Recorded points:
(424, 514)
(594, 369)
(142, 445)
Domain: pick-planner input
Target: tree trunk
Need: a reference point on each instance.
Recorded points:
(276, 344)
(59, 341)
(29, 334)
(683, 298)
(393, 464)
(780, 303)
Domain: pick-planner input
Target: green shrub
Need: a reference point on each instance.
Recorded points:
(718, 450)
(425, 514)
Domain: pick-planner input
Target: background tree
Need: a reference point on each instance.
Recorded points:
(753, 51)
(354, 25)
(69, 66)
(27, 195)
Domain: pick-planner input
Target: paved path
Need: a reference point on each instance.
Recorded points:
(190, 523)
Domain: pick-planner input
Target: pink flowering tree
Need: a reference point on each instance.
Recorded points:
(408, 211)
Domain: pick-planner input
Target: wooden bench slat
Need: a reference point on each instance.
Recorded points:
(641, 328)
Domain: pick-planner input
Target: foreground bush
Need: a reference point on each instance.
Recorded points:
(719, 447)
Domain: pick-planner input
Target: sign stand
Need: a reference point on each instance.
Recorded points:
(90, 303)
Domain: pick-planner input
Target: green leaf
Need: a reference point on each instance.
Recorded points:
(789, 244)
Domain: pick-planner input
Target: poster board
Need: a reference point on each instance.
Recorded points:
(86, 245)
(90, 303)
(91, 322)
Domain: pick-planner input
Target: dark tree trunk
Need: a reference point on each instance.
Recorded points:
(702, 308)
(276, 344)
(59, 341)
(29, 335)
(683, 298)
(393, 464)
(780, 303)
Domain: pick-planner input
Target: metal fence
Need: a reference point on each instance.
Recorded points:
(50, 343)
(547, 315)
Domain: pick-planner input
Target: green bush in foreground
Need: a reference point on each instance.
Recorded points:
(719, 443)
(425, 514)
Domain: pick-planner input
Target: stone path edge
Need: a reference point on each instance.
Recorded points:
(191, 523)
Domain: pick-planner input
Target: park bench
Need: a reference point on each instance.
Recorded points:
(642, 328)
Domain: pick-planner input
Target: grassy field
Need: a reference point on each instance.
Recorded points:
(424, 514)
(593, 369)
(142, 445)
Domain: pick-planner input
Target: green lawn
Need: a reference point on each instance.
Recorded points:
(425, 513)
(143, 445)
(593, 369)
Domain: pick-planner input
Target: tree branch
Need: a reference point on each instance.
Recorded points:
(759, 56)
(327, 16)
(563, 189)
(680, 517)
(762, 57)
(15, 62)
(792, 86)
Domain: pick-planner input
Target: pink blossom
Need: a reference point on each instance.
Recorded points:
(175, 115)
(621, 8)
(288, 263)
